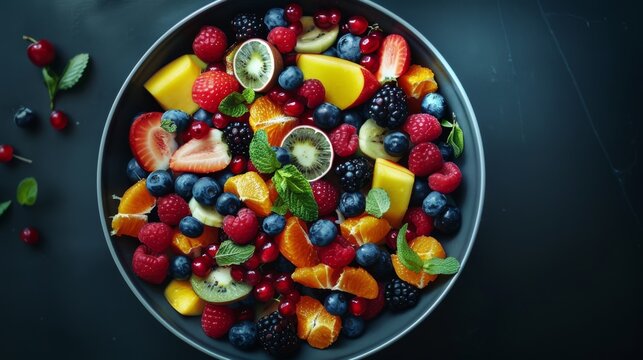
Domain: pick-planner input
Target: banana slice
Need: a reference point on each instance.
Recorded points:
(371, 141)
(314, 40)
(207, 215)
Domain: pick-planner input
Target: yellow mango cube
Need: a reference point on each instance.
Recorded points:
(171, 86)
(183, 299)
(398, 183)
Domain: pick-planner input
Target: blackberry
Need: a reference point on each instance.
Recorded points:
(400, 295)
(248, 26)
(388, 107)
(277, 334)
(238, 136)
(354, 173)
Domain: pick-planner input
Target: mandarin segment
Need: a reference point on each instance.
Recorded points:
(252, 190)
(315, 324)
(268, 116)
(320, 276)
(426, 247)
(190, 246)
(365, 229)
(137, 200)
(416, 83)
(358, 282)
(128, 224)
(294, 245)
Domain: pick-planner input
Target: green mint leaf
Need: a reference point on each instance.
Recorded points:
(280, 183)
(233, 105)
(446, 123)
(302, 205)
(405, 254)
(295, 181)
(458, 140)
(51, 82)
(437, 266)
(261, 154)
(280, 207)
(296, 192)
(377, 202)
(248, 95)
(4, 206)
(73, 71)
(27, 191)
(168, 125)
(232, 254)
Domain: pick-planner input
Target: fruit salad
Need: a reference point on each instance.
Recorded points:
(296, 182)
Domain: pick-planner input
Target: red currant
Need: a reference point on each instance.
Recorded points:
(391, 238)
(334, 16)
(220, 66)
(296, 26)
(369, 44)
(212, 250)
(357, 25)
(238, 165)
(370, 62)
(358, 306)
(269, 252)
(270, 276)
(253, 277)
(237, 273)
(287, 308)
(284, 284)
(261, 240)
(41, 52)
(377, 34)
(6, 153)
(264, 291)
(245, 313)
(202, 266)
(294, 107)
(293, 12)
(58, 120)
(252, 263)
(199, 129)
(220, 121)
(322, 20)
(30, 236)
(293, 296)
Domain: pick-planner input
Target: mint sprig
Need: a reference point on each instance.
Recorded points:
(377, 202)
(27, 191)
(4, 206)
(280, 207)
(438, 266)
(412, 261)
(296, 193)
(230, 253)
(262, 155)
(235, 104)
(168, 125)
(456, 136)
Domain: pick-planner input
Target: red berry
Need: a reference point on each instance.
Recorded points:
(313, 91)
(237, 273)
(238, 164)
(58, 120)
(216, 320)
(157, 236)
(253, 277)
(336, 255)
(369, 44)
(220, 121)
(344, 29)
(172, 208)
(293, 12)
(334, 16)
(447, 179)
(279, 96)
(375, 306)
(357, 306)
(202, 265)
(41, 52)
(242, 228)
(283, 38)
(269, 252)
(150, 267)
(211, 87)
(6, 153)
(293, 296)
(270, 277)
(245, 314)
(322, 20)
(218, 66)
(344, 140)
(419, 221)
(425, 159)
(290, 58)
(377, 34)
(422, 128)
(287, 308)
(252, 263)
(391, 238)
(357, 25)
(264, 291)
(262, 239)
(294, 107)
(370, 62)
(30, 236)
(199, 129)
(296, 26)
(284, 284)
(251, 167)
(326, 197)
(307, 118)
(210, 44)
(212, 250)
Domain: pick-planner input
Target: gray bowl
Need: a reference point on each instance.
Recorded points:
(132, 99)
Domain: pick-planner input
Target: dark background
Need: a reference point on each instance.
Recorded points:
(556, 268)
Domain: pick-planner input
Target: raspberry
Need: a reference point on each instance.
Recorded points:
(344, 140)
(419, 222)
(216, 320)
(375, 306)
(157, 236)
(210, 44)
(149, 267)
(326, 197)
(422, 128)
(284, 39)
(313, 91)
(425, 159)
(447, 179)
(211, 87)
(242, 228)
(336, 255)
(172, 208)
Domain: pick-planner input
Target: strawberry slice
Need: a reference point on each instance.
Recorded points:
(151, 145)
(202, 156)
(395, 58)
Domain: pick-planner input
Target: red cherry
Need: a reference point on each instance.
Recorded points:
(369, 44)
(377, 34)
(370, 62)
(238, 164)
(293, 12)
(202, 266)
(269, 252)
(261, 240)
(253, 277)
(357, 25)
(237, 272)
(322, 20)
(296, 26)
(220, 66)
(283, 97)
(30, 236)
(270, 276)
(199, 129)
(220, 121)
(293, 296)
(245, 313)
(284, 284)
(252, 263)
(264, 291)
(294, 107)
(41, 52)
(357, 306)
(344, 29)
(6, 153)
(212, 250)
(335, 16)
(287, 308)
(58, 120)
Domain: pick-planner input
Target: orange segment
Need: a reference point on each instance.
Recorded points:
(128, 224)
(426, 247)
(358, 282)
(315, 324)
(365, 229)
(272, 190)
(320, 276)
(266, 115)
(137, 200)
(416, 83)
(191, 246)
(294, 244)
(252, 190)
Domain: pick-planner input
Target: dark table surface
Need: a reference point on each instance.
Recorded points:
(556, 268)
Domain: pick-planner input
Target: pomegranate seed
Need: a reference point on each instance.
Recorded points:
(6, 153)
(357, 25)
(30, 236)
(41, 52)
(287, 308)
(245, 313)
(370, 62)
(252, 263)
(238, 164)
(293, 12)
(294, 107)
(322, 20)
(369, 44)
(216, 67)
(293, 296)
(284, 284)
(237, 272)
(212, 250)
(220, 121)
(58, 120)
(252, 277)
(334, 16)
(199, 129)
(202, 266)
(357, 306)
(296, 26)
(261, 239)
(264, 292)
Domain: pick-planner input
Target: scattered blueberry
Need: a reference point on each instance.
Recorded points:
(348, 47)
(446, 150)
(322, 232)
(190, 227)
(434, 104)
(274, 18)
(336, 303)
(203, 115)
(283, 156)
(420, 190)
(383, 268)
(327, 116)
(367, 254)
(396, 143)
(243, 335)
(449, 221)
(291, 78)
(273, 224)
(332, 51)
(352, 204)
(353, 117)
(178, 117)
(434, 203)
(135, 172)
(352, 326)
(228, 204)
(184, 183)
(206, 191)
(223, 176)
(159, 183)
(24, 117)
(181, 267)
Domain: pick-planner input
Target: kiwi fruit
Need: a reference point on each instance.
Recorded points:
(310, 151)
(314, 40)
(371, 141)
(219, 287)
(257, 64)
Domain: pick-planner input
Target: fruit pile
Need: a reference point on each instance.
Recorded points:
(292, 186)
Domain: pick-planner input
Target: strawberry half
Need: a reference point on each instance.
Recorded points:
(395, 58)
(151, 145)
(202, 156)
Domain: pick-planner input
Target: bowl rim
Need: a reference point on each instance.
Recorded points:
(460, 93)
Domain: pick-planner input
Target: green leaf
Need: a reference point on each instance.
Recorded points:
(302, 205)
(168, 125)
(27, 191)
(280, 183)
(4, 206)
(232, 254)
(294, 179)
(248, 95)
(437, 266)
(262, 155)
(280, 207)
(233, 105)
(73, 71)
(296, 192)
(377, 202)
(409, 258)
(446, 123)
(51, 82)
(458, 141)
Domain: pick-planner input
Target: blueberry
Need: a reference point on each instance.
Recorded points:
(228, 204)
(191, 227)
(396, 143)
(348, 47)
(434, 104)
(449, 221)
(353, 117)
(159, 183)
(184, 183)
(203, 115)
(135, 172)
(243, 335)
(273, 224)
(352, 326)
(283, 265)
(383, 268)
(206, 191)
(223, 176)
(24, 117)
(367, 254)
(248, 301)
(327, 116)
(352, 204)
(336, 303)
(178, 117)
(274, 18)
(420, 191)
(291, 78)
(322, 232)
(283, 156)
(446, 150)
(181, 267)
(332, 51)
(434, 203)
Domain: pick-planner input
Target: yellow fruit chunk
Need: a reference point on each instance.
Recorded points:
(171, 86)
(252, 190)
(427, 248)
(398, 183)
(180, 295)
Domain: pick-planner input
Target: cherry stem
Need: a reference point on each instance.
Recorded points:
(29, 38)
(28, 161)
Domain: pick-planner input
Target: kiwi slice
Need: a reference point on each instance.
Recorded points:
(310, 151)
(219, 287)
(371, 141)
(257, 64)
(314, 40)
